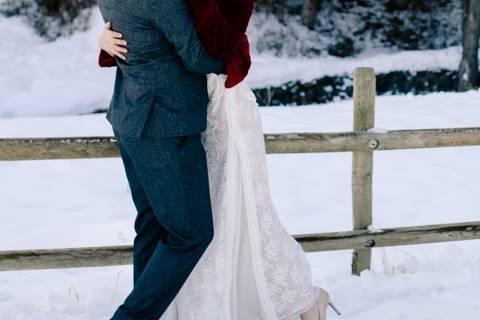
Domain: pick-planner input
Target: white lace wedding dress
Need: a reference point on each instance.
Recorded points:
(253, 269)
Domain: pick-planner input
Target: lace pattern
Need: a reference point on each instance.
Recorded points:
(280, 283)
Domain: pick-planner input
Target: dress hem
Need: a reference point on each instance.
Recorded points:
(295, 315)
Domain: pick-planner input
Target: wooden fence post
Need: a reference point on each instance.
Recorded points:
(362, 161)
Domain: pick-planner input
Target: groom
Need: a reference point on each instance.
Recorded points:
(157, 112)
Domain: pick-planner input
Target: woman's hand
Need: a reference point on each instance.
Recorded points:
(112, 42)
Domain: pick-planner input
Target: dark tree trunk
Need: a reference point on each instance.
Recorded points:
(52, 6)
(277, 7)
(59, 7)
(309, 12)
(468, 74)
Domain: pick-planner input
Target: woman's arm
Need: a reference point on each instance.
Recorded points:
(218, 34)
(221, 25)
(111, 45)
(106, 60)
(237, 12)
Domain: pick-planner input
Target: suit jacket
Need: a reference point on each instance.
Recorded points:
(161, 89)
(221, 26)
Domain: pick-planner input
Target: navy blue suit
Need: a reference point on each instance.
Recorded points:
(157, 112)
(161, 89)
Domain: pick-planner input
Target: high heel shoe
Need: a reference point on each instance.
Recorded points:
(319, 310)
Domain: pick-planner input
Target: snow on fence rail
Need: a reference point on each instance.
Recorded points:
(363, 141)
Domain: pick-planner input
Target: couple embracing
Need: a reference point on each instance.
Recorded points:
(208, 244)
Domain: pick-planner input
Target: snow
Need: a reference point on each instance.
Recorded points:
(274, 71)
(373, 229)
(72, 203)
(40, 78)
(47, 88)
(50, 78)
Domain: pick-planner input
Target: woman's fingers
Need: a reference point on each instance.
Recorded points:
(109, 32)
(114, 52)
(112, 42)
(120, 49)
(121, 56)
(119, 42)
(114, 34)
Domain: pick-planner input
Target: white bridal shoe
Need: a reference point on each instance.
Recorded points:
(319, 310)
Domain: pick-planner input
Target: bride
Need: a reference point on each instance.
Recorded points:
(253, 269)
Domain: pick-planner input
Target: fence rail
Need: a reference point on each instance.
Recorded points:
(362, 142)
(106, 147)
(357, 239)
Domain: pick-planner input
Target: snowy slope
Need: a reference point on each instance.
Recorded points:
(49, 204)
(39, 78)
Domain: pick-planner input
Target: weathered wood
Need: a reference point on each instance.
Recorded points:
(58, 148)
(65, 258)
(362, 161)
(104, 147)
(364, 141)
(358, 239)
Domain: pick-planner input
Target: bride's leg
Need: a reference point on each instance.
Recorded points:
(319, 310)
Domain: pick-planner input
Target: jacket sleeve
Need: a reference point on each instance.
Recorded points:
(218, 34)
(106, 60)
(238, 12)
(173, 19)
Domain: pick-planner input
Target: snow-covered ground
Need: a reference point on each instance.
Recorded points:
(62, 77)
(52, 204)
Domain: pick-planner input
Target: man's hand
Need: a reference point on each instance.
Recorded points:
(112, 42)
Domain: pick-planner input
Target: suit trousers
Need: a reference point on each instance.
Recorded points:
(168, 180)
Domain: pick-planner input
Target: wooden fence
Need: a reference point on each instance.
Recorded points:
(361, 141)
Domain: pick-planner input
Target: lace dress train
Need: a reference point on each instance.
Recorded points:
(253, 269)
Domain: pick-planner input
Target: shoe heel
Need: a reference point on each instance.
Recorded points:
(330, 303)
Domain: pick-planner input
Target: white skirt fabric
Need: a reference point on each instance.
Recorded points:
(253, 269)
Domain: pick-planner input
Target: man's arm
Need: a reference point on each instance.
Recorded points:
(174, 20)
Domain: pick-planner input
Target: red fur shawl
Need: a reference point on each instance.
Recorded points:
(221, 26)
